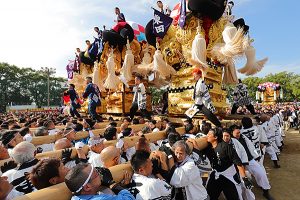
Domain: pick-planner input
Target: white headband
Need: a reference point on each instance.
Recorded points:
(87, 180)
(93, 141)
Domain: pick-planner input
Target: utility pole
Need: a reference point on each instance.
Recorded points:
(48, 72)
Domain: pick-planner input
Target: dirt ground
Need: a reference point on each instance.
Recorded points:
(285, 181)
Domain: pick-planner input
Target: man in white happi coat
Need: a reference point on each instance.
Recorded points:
(253, 166)
(202, 98)
(271, 148)
(139, 99)
(143, 186)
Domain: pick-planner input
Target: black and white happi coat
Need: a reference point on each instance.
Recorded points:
(140, 96)
(146, 188)
(201, 95)
(240, 95)
(17, 177)
(256, 136)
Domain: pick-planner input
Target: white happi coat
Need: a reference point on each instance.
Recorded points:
(140, 95)
(269, 129)
(187, 175)
(94, 159)
(17, 177)
(150, 188)
(254, 136)
(240, 150)
(276, 123)
(201, 95)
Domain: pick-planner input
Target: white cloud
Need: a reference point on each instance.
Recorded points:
(36, 33)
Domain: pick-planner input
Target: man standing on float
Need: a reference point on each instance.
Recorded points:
(93, 93)
(139, 99)
(202, 98)
(241, 98)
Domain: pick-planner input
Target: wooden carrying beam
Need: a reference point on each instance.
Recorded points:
(62, 193)
(131, 141)
(99, 125)
(152, 137)
(79, 135)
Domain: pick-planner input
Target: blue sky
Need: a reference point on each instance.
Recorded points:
(39, 33)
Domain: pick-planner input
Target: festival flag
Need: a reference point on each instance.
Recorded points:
(182, 17)
(70, 68)
(161, 23)
(139, 31)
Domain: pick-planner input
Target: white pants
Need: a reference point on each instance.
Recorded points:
(259, 174)
(247, 194)
(273, 143)
(272, 152)
(282, 131)
(278, 140)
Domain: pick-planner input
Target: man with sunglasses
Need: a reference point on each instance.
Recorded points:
(85, 183)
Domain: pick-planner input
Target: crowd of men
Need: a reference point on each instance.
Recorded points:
(168, 169)
(171, 168)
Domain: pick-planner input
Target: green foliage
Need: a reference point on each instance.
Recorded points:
(289, 82)
(22, 86)
(156, 95)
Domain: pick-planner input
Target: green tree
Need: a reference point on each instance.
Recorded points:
(23, 86)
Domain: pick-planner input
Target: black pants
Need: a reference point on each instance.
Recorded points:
(134, 108)
(165, 106)
(74, 111)
(250, 107)
(210, 116)
(215, 187)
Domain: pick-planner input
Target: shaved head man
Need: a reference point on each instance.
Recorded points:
(62, 144)
(110, 156)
